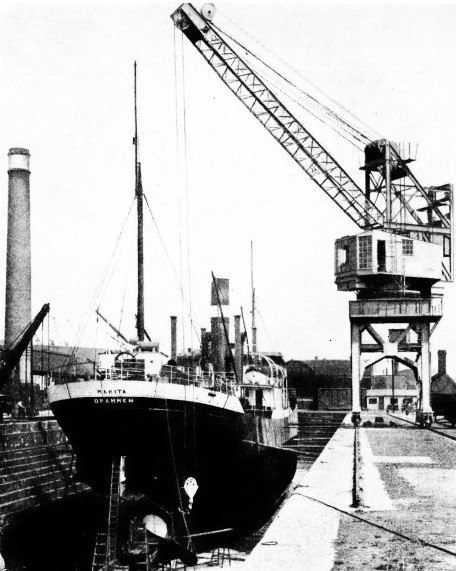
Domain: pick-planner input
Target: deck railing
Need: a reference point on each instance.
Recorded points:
(221, 381)
(397, 308)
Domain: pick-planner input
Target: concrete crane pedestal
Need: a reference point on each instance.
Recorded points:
(408, 324)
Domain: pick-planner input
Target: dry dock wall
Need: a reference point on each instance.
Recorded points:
(35, 466)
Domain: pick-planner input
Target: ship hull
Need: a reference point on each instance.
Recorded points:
(167, 437)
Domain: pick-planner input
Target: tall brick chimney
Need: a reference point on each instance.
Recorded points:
(18, 310)
(441, 357)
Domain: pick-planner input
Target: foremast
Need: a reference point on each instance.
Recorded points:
(139, 201)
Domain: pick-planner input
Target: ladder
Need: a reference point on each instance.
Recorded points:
(142, 548)
(104, 555)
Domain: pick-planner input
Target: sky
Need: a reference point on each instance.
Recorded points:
(67, 95)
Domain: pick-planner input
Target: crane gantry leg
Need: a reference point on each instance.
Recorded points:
(400, 317)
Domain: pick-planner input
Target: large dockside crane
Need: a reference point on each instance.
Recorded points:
(405, 247)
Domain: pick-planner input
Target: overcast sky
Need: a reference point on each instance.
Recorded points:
(67, 95)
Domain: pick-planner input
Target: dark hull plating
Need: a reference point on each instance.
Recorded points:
(235, 458)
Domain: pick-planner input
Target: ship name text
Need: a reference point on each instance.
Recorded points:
(113, 400)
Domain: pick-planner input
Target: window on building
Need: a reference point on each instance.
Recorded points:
(372, 401)
(407, 247)
(365, 252)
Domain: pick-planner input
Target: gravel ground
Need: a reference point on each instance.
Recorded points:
(424, 500)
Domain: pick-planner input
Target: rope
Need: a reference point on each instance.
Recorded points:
(423, 542)
(98, 294)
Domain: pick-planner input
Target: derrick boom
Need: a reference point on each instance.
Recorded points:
(11, 356)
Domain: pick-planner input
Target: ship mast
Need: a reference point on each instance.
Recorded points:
(254, 329)
(139, 200)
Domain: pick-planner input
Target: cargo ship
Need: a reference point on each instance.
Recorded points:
(184, 450)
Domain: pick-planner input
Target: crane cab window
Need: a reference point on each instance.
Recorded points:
(342, 256)
(381, 255)
(365, 252)
(407, 247)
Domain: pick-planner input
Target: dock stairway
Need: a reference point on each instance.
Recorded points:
(315, 430)
(104, 556)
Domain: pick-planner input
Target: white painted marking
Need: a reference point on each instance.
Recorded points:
(374, 495)
(303, 534)
(403, 460)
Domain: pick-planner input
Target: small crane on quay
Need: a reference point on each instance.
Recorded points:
(404, 249)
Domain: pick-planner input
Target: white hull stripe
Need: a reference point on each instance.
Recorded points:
(142, 389)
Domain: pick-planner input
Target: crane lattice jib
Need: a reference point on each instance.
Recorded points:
(419, 190)
(275, 117)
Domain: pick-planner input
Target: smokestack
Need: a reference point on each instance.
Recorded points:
(204, 347)
(219, 344)
(173, 337)
(18, 311)
(238, 347)
(441, 357)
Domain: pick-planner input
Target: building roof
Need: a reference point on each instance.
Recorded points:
(329, 367)
(319, 373)
(443, 384)
(403, 380)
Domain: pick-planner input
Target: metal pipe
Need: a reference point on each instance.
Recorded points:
(173, 337)
(237, 347)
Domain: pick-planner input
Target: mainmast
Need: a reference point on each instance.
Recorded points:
(139, 200)
(254, 329)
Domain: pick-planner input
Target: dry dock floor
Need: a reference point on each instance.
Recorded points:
(408, 519)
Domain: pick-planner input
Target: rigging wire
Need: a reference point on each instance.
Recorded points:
(184, 120)
(179, 170)
(173, 267)
(127, 275)
(98, 294)
(271, 341)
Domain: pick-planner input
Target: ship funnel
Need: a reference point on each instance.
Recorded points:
(18, 310)
(220, 350)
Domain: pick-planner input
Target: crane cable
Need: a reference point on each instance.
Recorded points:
(374, 133)
(356, 141)
(356, 131)
(184, 121)
(179, 185)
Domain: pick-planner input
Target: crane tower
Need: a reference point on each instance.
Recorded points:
(404, 251)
